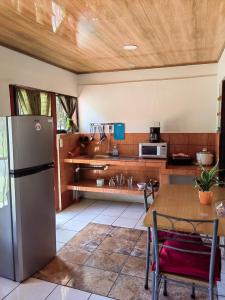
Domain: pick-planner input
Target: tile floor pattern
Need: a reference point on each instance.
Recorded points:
(109, 261)
(130, 267)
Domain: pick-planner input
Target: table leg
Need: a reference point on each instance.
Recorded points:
(147, 257)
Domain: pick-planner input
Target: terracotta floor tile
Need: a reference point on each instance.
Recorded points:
(108, 261)
(140, 247)
(97, 229)
(126, 233)
(92, 280)
(129, 288)
(88, 242)
(74, 255)
(182, 293)
(57, 271)
(134, 266)
(112, 244)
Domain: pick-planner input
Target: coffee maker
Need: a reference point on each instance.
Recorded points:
(154, 136)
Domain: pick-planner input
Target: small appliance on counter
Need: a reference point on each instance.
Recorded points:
(154, 136)
(153, 150)
(115, 151)
(181, 159)
(204, 157)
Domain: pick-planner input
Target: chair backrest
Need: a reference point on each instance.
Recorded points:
(186, 239)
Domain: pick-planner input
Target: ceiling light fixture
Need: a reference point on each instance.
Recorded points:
(130, 47)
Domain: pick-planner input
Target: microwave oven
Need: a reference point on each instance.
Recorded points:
(153, 150)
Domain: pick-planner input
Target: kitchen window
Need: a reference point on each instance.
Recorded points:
(63, 108)
(67, 113)
(32, 102)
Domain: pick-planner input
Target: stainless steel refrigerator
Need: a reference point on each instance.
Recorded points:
(27, 206)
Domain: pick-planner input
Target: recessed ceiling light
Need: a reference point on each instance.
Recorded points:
(130, 47)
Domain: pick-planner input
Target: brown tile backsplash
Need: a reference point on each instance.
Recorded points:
(189, 143)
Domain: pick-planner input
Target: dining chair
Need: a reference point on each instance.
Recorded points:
(184, 258)
(148, 192)
(162, 236)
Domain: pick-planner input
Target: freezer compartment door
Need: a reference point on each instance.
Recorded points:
(30, 141)
(34, 231)
(6, 244)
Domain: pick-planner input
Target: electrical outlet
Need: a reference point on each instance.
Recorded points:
(60, 143)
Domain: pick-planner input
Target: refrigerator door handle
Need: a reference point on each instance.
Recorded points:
(31, 170)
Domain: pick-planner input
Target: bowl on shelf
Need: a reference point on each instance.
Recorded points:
(204, 157)
(141, 185)
(100, 182)
(220, 208)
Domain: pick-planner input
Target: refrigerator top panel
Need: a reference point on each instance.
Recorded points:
(30, 141)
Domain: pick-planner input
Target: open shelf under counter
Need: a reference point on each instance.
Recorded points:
(90, 186)
(187, 170)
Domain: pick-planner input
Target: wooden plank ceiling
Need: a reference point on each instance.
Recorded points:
(88, 35)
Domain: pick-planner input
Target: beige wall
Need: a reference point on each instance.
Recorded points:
(183, 99)
(221, 72)
(16, 68)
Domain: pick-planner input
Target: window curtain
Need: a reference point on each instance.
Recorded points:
(33, 102)
(45, 104)
(34, 98)
(23, 102)
(70, 106)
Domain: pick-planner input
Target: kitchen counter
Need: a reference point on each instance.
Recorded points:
(166, 169)
(117, 161)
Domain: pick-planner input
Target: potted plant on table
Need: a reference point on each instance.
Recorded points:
(207, 179)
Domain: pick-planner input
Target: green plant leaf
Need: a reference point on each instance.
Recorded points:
(207, 178)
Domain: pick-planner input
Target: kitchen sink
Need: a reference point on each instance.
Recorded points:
(103, 156)
(106, 156)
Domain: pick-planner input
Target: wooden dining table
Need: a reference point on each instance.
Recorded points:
(182, 201)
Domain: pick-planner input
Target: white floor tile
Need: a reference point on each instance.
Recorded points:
(66, 293)
(6, 287)
(75, 225)
(140, 226)
(114, 210)
(32, 289)
(107, 220)
(97, 207)
(94, 210)
(59, 246)
(125, 222)
(132, 214)
(63, 235)
(101, 203)
(80, 205)
(68, 214)
(223, 266)
(60, 220)
(98, 297)
(137, 206)
(88, 217)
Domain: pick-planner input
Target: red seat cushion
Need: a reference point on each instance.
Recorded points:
(188, 264)
(163, 236)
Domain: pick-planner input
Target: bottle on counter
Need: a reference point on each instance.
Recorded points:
(115, 151)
